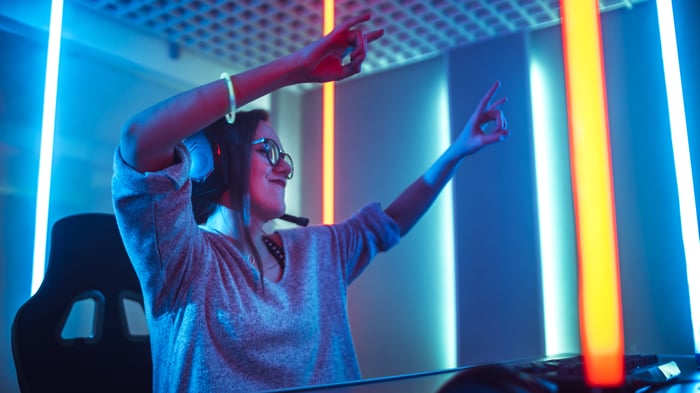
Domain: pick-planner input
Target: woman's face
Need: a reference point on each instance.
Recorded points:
(267, 182)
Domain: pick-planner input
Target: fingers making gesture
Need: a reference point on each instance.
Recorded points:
(323, 59)
(486, 125)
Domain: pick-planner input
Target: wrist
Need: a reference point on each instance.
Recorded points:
(455, 153)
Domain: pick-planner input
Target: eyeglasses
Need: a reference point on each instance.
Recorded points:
(274, 153)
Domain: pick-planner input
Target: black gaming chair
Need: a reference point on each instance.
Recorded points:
(84, 330)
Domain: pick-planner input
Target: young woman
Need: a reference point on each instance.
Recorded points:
(229, 307)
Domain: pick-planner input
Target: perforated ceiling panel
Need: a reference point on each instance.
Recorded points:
(250, 32)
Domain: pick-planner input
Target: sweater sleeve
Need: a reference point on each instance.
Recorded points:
(154, 214)
(361, 237)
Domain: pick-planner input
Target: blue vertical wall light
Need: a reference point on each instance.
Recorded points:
(445, 207)
(555, 216)
(681, 158)
(47, 136)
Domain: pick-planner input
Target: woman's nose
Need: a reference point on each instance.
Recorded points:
(284, 167)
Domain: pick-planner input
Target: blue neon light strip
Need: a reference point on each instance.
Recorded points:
(555, 220)
(681, 157)
(445, 207)
(46, 153)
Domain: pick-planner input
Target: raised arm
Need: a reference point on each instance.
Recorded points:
(415, 200)
(149, 138)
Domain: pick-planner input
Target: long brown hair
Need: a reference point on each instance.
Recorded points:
(233, 148)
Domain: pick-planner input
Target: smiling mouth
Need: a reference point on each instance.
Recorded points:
(279, 183)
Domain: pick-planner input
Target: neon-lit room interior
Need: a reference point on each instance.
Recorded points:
(577, 234)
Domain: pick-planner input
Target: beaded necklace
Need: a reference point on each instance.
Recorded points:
(274, 249)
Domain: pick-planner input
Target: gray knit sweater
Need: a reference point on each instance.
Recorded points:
(212, 327)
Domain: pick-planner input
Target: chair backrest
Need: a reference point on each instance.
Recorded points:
(84, 330)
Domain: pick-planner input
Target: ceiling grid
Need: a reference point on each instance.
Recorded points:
(248, 33)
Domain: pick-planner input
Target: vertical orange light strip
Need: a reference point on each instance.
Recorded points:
(328, 127)
(599, 281)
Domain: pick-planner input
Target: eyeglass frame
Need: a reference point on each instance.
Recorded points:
(281, 154)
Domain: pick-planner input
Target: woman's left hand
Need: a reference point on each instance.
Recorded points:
(474, 136)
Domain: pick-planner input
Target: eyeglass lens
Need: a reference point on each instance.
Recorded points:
(273, 153)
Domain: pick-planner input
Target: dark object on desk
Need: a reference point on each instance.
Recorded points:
(567, 373)
(564, 374)
(89, 277)
(496, 378)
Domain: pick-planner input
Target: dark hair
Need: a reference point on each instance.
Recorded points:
(231, 149)
(231, 145)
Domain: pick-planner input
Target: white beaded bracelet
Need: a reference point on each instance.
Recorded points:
(231, 115)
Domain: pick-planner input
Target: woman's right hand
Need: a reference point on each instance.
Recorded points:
(322, 61)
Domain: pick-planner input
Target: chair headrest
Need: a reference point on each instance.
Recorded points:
(87, 253)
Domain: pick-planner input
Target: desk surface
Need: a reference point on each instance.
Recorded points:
(409, 383)
(688, 381)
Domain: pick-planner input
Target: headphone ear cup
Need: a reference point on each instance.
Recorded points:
(202, 156)
(208, 177)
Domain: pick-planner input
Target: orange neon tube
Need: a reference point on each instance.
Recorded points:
(328, 127)
(599, 277)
